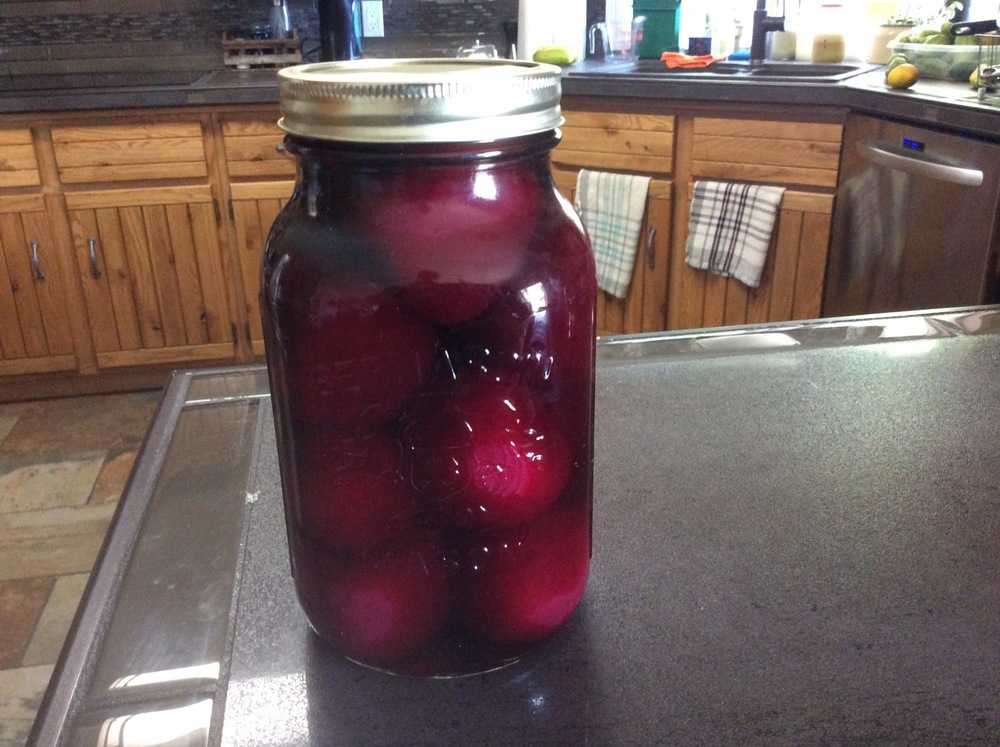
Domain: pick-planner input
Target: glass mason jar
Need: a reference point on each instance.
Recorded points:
(428, 305)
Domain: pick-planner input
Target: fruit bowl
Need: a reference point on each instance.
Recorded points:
(940, 61)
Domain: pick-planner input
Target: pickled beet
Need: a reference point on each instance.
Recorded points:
(483, 452)
(352, 494)
(453, 235)
(354, 355)
(379, 607)
(520, 584)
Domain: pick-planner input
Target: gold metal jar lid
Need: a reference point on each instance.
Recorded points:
(419, 100)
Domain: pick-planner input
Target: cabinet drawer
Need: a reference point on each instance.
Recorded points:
(766, 151)
(106, 153)
(18, 165)
(617, 142)
(254, 150)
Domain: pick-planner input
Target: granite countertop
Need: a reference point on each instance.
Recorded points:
(929, 102)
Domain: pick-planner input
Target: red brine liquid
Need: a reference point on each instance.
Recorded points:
(429, 327)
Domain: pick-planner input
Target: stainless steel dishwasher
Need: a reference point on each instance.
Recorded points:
(915, 223)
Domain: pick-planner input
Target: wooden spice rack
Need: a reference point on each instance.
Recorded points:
(257, 53)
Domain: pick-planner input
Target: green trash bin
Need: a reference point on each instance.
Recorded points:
(662, 27)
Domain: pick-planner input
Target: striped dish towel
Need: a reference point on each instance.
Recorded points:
(611, 207)
(731, 227)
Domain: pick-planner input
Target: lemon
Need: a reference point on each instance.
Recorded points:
(902, 76)
(554, 55)
(966, 40)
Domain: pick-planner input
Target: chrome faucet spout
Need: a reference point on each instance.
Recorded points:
(762, 24)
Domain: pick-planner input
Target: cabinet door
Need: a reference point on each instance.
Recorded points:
(791, 285)
(261, 178)
(34, 332)
(254, 208)
(644, 308)
(153, 274)
(802, 156)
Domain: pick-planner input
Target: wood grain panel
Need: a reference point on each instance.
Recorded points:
(162, 283)
(278, 190)
(212, 274)
(142, 277)
(616, 142)
(130, 196)
(154, 356)
(118, 275)
(12, 343)
(185, 270)
(253, 219)
(18, 162)
(265, 126)
(22, 285)
(253, 150)
(128, 172)
(33, 300)
(103, 153)
(96, 290)
(22, 203)
(766, 151)
(29, 366)
(249, 152)
(70, 134)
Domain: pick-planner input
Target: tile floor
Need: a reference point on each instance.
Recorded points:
(63, 465)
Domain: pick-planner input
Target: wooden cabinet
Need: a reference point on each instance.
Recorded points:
(804, 158)
(634, 143)
(678, 145)
(261, 176)
(146, 241)
(152, 272)
(131, 242)
(35, 335)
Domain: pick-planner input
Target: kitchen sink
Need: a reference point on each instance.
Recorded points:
(768, 71)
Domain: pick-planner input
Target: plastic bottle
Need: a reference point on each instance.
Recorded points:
(281, 26)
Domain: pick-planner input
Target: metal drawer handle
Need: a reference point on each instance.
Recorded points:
(35, 263)
(280, 149)
(650, 254)
(94, 269)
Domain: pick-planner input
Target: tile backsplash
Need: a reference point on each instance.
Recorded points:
(39, 36)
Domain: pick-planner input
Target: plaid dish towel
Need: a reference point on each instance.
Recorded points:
(612, 206)
(731, 227)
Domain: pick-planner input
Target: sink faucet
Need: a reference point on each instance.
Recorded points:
(762, 24)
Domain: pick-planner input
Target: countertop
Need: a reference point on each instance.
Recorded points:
(796, 532)
(951, 105)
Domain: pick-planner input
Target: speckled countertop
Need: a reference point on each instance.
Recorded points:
(930, 102)
(796, 529)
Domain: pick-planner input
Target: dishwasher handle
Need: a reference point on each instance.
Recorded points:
(884, 155)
